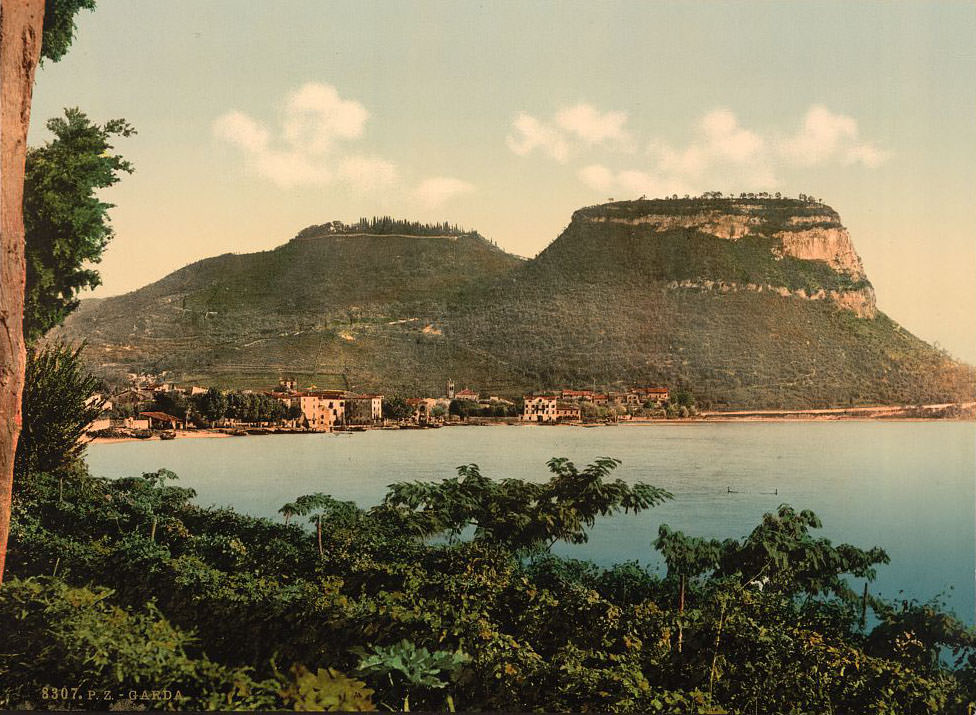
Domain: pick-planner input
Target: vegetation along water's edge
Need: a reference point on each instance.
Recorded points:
(444, 596)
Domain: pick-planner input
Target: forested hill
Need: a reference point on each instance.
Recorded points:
(752, 302)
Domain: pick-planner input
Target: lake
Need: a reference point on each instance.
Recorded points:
(909, 487)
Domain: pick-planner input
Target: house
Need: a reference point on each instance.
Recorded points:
(539, 408)
(132, 423)
(161, 420)
(364, 409)
(466, 395)
(423, 408)
(322, 409)
(576, 394)
(567, 412)
(496, 400)
(549, 409)
(659, 395)
(132, 398)
(99, 424)
(629, 399)
(103, 421)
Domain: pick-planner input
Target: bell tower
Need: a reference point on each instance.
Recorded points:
(450, 389)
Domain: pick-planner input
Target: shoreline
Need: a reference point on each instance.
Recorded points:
(857, 414)
(182, 434)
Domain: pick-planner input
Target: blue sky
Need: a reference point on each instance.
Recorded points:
(257, 119)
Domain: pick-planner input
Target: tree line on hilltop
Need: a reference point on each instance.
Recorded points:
(385, 225)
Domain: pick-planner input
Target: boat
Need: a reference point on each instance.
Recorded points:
(167, 435)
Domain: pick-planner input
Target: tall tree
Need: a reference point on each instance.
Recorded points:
(66, 225)
(26, 26)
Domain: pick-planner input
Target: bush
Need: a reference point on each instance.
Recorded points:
(65, 645)
(57, 408)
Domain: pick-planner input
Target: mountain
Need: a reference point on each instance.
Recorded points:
(747, 302)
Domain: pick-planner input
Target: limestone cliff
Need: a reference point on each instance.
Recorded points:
(805, 231)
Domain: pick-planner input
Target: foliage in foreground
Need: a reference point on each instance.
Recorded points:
(58, 406)
(245, 613)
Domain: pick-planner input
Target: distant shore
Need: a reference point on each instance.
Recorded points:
(961, 411)
(947, 412)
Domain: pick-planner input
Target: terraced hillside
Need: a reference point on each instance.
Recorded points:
(245, 319)
(749, 303)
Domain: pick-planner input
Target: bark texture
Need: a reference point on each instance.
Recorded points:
(21, 24)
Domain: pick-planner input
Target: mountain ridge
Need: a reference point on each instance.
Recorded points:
(747, 302)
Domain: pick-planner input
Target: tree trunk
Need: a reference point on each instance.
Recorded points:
(681, 611)
(321, 550)
(21, 24)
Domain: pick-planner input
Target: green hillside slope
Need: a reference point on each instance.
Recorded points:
(749, 303)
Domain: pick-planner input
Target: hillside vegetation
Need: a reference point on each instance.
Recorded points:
(698, 293)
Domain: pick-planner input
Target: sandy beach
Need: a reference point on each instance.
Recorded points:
(181, 434)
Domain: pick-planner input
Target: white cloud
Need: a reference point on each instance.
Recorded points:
(721, 151)
(630, 183)
(589, 124)
(289, 169)
(303, 151)
(437, 190)
(315, 117)
(824, 137)
(530, 134)
(724, 138)
(723, 154)
(238, 128)
(571, 130)
(868, 154)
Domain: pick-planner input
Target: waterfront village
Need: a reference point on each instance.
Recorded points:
(145, 409)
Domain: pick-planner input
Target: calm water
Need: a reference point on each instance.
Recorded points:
(905, 486)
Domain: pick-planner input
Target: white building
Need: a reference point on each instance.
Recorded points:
(539, 408)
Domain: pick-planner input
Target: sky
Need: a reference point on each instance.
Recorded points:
(256, 119)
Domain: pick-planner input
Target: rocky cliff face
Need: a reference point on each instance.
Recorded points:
(800, 230)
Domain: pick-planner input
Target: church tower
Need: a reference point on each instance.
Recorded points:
(450, 389)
